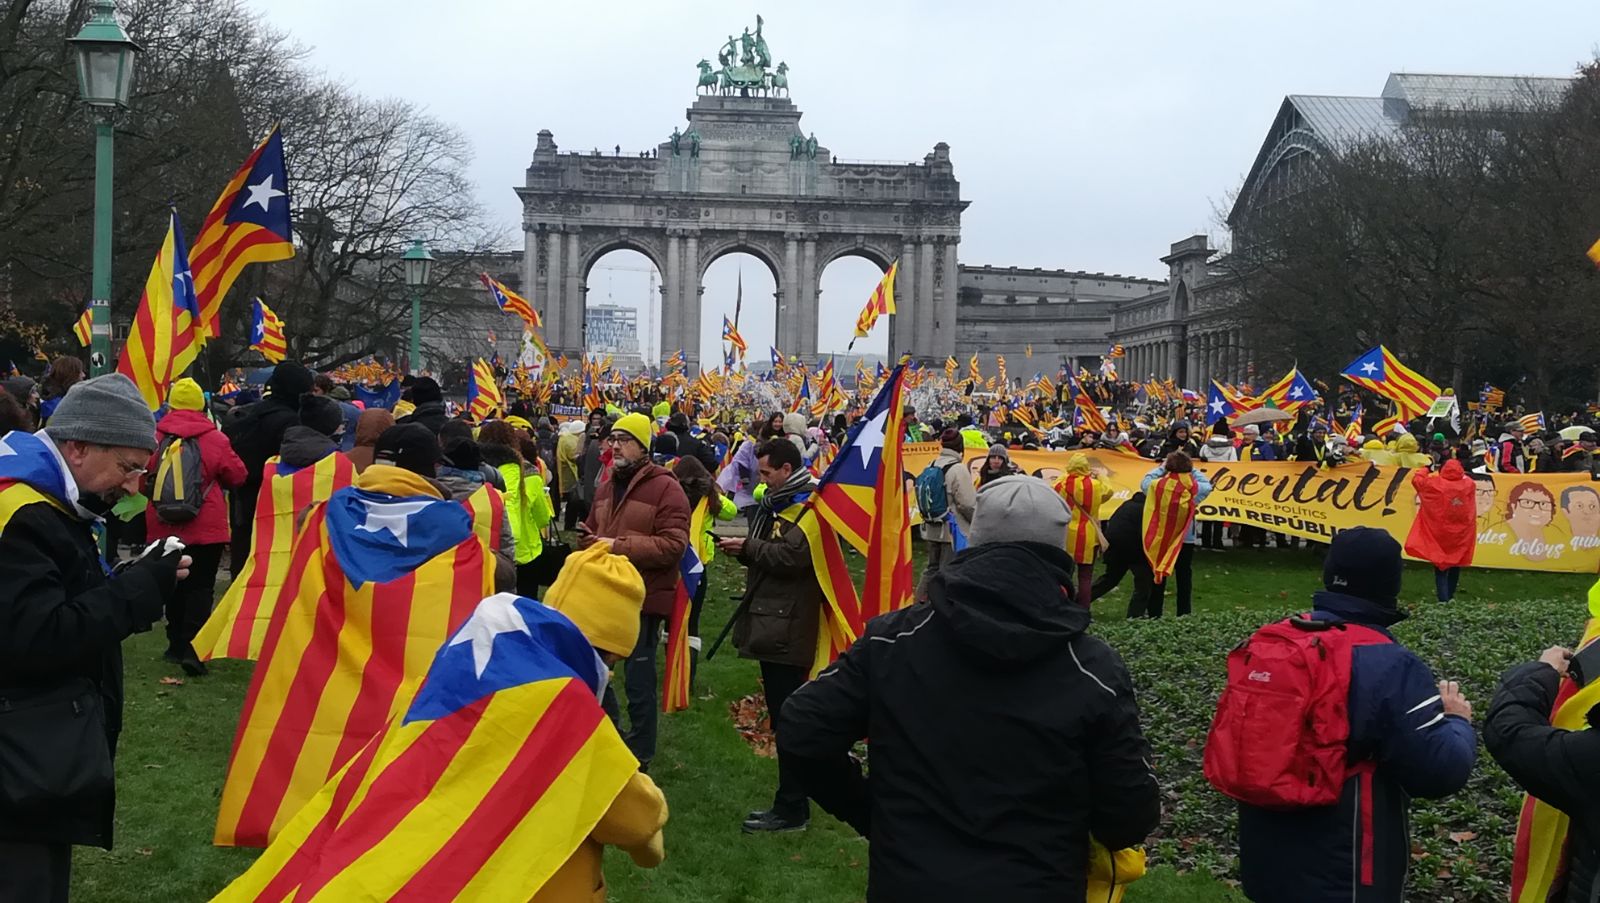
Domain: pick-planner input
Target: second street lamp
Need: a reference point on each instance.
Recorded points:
(418, 265)
(105, 80)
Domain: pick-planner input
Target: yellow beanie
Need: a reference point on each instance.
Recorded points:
(635, 425)
(186, 396)
(602, 593)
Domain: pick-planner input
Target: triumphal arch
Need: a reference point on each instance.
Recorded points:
(742, 175)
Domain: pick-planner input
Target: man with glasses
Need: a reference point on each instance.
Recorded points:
(63, 617)
(641, 512)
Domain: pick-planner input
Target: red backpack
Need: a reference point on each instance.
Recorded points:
(1278, 740)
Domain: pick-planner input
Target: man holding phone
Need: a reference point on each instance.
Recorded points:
(641, 512)
(1555, 765)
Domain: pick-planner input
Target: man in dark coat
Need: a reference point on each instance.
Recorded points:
(782, 606)
(690, 445)
(1124, 553)
(1410, 736)
(62, 622)
(257, 434)
(1554, 765)
(642, 512)
(1002, 736)
(429, 401)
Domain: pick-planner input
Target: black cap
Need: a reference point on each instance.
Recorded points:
(462, 453)
(1364, 562)
(410, 446)
(321, 413)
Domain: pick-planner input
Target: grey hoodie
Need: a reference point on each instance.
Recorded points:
(1219, 448)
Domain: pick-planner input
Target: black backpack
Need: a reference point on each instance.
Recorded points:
(177, 491)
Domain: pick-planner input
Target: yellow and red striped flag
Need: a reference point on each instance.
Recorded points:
(511, 302)
(1594, 252)
(1088, 411)
(382, 574)
(950, 367)
(1381, 371)
(480, 789)
(484, 398)
(83, 327)
(881, 303)
(167, 332)
(238, 625)
(266, 333)
(248, 224)
(1168, 511)
(691, 570)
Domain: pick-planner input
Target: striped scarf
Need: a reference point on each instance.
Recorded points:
(1168, 511)
(776, 500)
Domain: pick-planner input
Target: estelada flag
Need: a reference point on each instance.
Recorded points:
(266, 333)
(1169, 509)
(1539, 853)
(383, 573)
(248, 224)
(479, 789)
(238, 625)
(691, 570)
(166, 334)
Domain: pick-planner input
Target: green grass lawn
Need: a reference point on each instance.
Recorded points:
(175, 746)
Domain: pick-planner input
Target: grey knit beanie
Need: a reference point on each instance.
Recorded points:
(1019, 508)
(106, 410)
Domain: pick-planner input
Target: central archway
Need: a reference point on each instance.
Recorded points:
(741, 286)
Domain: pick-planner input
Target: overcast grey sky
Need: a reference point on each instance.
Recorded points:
(1086, 135)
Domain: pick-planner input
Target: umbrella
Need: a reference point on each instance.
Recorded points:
(1262, 415)
(1572, 433)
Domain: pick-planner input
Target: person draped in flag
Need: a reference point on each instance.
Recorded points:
(257, 436)
(63, 617)
(778, 618)
(998, 659)
(383, 568)
(512, 695)
(1084, 496)
(1173, 492)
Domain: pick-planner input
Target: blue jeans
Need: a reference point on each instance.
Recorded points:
(1445, 581)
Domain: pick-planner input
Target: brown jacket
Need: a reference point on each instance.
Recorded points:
(649, 526)
(784, 599)
(369, 426)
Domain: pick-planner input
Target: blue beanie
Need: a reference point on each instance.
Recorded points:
(1364, 562)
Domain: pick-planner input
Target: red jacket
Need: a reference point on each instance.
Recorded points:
(220, 468)
(1445, 532)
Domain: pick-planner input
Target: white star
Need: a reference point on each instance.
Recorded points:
(262, 194)
(871, 436)
(1217, 406)
(391, 516)
(495, 615)
(1369, 368)
(1296, 392)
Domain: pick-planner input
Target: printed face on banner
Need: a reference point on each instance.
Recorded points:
(1581, 505)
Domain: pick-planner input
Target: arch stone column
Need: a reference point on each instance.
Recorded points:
(689, 313)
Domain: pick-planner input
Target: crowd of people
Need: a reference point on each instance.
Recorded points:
(595, 517)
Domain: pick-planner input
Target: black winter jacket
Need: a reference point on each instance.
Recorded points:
(691, 446)
(62, 622)
(1002, 737)
(257, 434)
(1554, 765)
(430, 414)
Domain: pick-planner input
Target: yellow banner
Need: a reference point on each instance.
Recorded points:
(1536, 522)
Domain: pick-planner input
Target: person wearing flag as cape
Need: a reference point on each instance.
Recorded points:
(63, 616)
(781, 609)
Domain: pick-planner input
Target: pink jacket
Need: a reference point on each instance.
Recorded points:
(221, 469)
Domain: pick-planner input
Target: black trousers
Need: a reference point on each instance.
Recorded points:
(639, 683)
(789, 801)
(1211, 534)
(35, 872)
(243, 515)
(190, 604)
(695, 606)
(1149, 602)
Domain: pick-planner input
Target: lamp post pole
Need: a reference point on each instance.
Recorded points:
(416, 328)
(105, 56)
(100, 284)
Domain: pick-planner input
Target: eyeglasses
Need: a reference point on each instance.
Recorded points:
(129, 470)
(1536, 504)
(619, 438)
